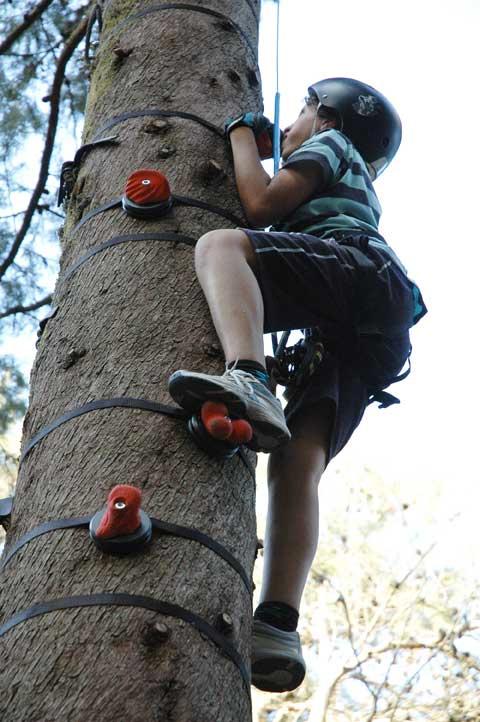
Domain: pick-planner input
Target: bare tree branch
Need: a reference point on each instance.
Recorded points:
(28, 20)
(396, 587)
(25, 309)
(70, 46)
(395, 648)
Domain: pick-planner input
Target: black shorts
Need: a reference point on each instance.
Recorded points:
(361, 301)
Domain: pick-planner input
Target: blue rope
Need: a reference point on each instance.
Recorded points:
(276, 129)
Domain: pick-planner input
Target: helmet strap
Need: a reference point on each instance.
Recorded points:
(314, 131)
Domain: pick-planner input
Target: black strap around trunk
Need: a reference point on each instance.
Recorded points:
(180, 200)
(155, 113)
(124, 402)
(133, 600)
(249, 3)
(163, 527)
(117, 240)
(192, 8)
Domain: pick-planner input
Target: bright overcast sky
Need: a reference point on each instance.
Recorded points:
(423, 55)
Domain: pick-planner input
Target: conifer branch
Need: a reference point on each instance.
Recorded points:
(25, 309)
(28, 20)
(71, 45)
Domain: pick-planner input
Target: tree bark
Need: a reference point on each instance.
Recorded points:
(126, 319)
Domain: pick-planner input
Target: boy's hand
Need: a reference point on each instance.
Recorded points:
(262, 129)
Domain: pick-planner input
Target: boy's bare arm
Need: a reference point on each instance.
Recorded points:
(268, 200)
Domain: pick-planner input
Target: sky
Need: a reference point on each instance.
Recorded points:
(422, 56)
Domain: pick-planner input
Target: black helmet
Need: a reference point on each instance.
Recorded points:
(366, 117)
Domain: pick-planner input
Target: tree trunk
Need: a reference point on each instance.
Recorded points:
(126, 319)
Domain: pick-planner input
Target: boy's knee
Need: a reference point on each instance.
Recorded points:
(214, 243)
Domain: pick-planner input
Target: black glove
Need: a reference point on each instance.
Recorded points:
(262, 129)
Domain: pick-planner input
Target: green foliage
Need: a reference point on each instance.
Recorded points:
(27, 70)
(12, 393)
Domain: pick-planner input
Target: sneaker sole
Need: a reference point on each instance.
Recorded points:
(277, 674)
(191, 392)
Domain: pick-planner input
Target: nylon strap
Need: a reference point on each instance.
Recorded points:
(187, 201)
(117, 240)
(153, 112)
(115, 203)
(125, 402)
(181, 200)
(133, 600)
(249, 3)
(161, 526)
(192, 8)
(48, 526)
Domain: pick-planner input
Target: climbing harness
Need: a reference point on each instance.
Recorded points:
(293, 366)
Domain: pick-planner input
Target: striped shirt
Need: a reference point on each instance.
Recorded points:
(347, 202)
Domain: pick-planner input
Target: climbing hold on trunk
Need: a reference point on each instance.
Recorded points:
(147, 194)
(121, 527)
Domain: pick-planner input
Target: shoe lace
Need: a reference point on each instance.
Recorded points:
(241, 378)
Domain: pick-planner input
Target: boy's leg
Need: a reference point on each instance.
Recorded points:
(224, 261)
(289, 548)
(291, 535)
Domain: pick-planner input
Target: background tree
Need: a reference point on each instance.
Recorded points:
(41, 99)
(124, 321)
(391, 626)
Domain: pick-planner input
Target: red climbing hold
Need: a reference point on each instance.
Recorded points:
(147, 194)
(242, 432)
(217, 422)
(122, 515)
(147, 186)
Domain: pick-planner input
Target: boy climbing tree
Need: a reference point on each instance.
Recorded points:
(324, 268)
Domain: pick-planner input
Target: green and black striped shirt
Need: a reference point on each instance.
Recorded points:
(348, 200)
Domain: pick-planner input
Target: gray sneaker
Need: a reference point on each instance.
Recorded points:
(245, 397)
(277, 662)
